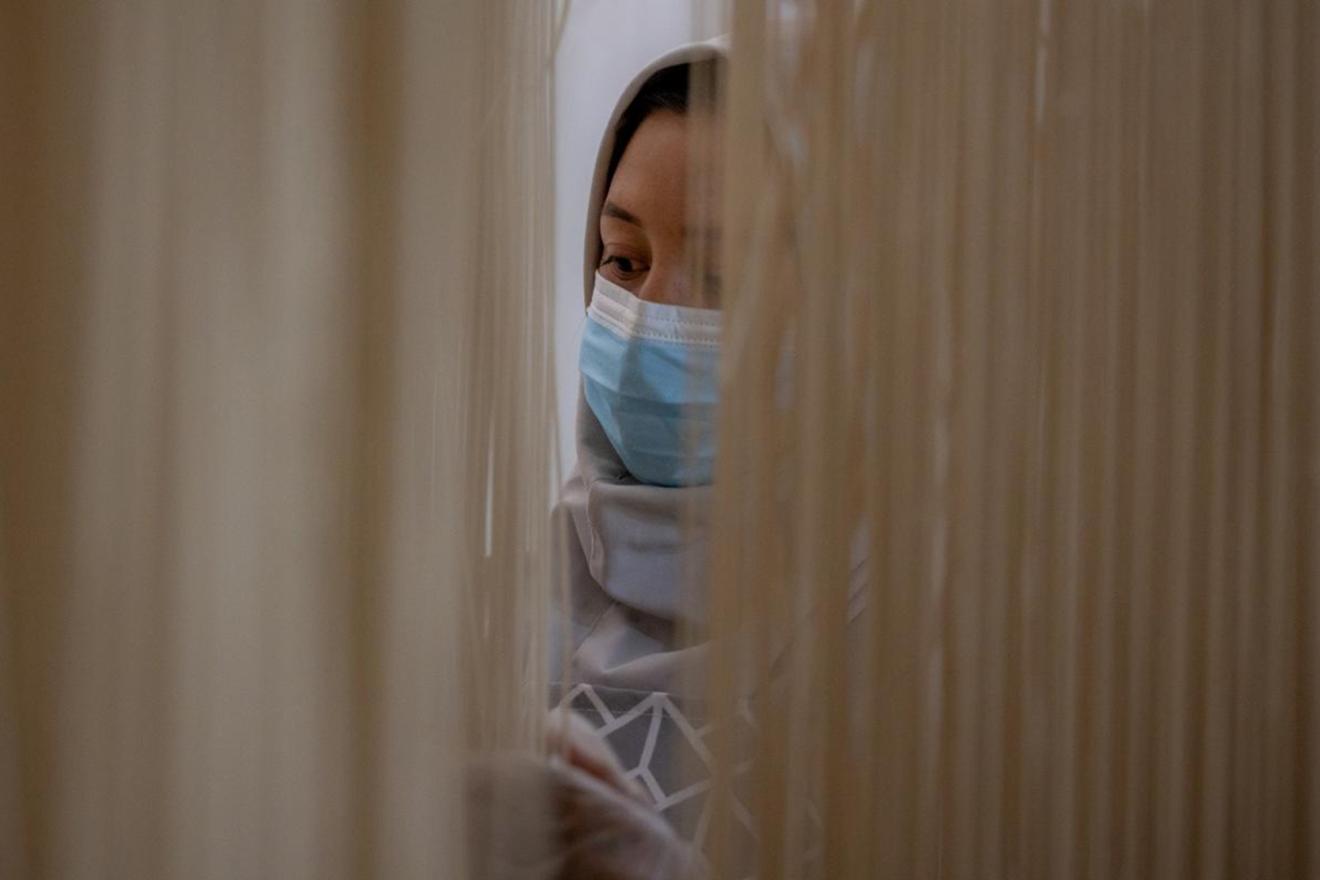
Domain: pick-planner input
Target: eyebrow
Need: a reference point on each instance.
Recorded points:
(609, 209)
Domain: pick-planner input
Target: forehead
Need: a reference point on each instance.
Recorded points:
(666, 153)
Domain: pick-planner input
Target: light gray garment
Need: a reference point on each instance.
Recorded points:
(635, 558)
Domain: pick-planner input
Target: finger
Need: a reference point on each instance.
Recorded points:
(573, 739)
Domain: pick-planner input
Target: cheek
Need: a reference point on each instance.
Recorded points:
(669, 281)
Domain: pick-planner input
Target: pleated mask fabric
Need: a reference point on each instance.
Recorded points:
(650, 373)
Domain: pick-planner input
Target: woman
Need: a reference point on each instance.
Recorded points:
(632, 512)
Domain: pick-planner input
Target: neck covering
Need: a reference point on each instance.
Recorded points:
(645, 546)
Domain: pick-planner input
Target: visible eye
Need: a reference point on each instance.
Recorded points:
(622, 269)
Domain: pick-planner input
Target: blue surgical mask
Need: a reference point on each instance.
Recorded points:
(650, 373)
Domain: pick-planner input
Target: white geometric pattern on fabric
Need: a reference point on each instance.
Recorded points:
(662, 748)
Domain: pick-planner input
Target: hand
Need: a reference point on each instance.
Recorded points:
(535, 819)
(608, 834)
(570, 737)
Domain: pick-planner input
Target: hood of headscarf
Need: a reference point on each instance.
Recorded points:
(644, 545)
(690, 54)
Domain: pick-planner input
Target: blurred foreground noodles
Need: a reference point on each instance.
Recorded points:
(275, 434)
(1016, 563)
(1014, 559)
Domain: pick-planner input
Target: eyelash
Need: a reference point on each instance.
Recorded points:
(618, 262)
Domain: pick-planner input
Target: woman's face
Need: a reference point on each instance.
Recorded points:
(654, 245)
